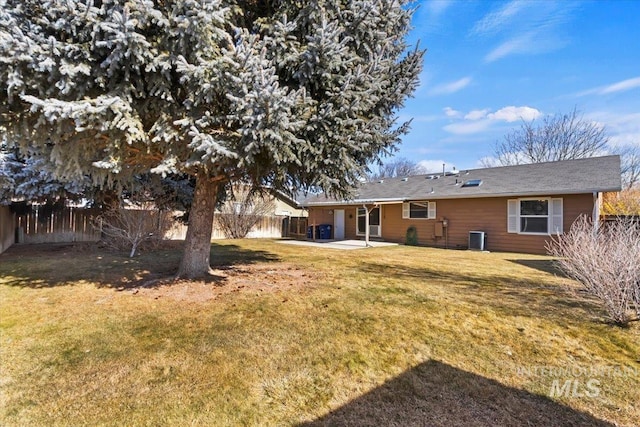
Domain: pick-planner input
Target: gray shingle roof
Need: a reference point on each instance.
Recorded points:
(563, 177)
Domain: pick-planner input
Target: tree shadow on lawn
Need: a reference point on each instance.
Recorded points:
(436, 394)
(507, 295)
(49, 265)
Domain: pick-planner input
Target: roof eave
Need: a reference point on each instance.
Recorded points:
(380, 201)
(460, 196)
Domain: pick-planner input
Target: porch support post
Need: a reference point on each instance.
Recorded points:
(367, 212)
(366, 226)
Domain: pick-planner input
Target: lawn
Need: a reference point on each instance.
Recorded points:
(285, 335)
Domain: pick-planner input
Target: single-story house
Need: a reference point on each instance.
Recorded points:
(288, 204)
(510, 208)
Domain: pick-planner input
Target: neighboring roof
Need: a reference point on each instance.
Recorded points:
(294, 199)
(596, 174)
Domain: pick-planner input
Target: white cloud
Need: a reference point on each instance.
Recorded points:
(477, 121)
(526, 44)
(438, 7)
(432, 166)
(450, 112)
(525, 27)
(476, 114)
(621, 86)
(452, 87)
(623, 129)
(511, 114)
(518, 44)
(494, 21)
(468, 128)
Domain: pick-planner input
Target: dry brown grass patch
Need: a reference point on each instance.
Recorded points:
(284, 335)
(247, 279)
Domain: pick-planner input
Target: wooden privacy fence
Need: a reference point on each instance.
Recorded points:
(69, 224)
(297, 227)
(42, 225)
(7, 228)
(267, 227)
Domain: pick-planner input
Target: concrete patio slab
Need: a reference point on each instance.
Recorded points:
(337, 244)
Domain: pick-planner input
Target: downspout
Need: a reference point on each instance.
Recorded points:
(597, 198)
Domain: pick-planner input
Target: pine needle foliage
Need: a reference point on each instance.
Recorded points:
(286, 92)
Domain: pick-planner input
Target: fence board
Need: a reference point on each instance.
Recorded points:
(267, 227)
(77, 225)
(60, 226)
(7, 228)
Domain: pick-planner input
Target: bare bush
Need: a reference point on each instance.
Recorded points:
(129, 229)
(240, 214)
(606, 261)
(397, 168)
(630, 167)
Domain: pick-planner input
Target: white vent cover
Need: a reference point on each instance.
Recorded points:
(477, 240)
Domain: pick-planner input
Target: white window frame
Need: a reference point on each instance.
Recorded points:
(431, 210)
(554, 216)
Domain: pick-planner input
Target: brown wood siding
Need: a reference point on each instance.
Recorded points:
(319, 216)
(350, 218)
(464, 215)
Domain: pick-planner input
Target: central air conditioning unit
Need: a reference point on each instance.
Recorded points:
(477, 240)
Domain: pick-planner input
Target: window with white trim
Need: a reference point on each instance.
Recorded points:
(534, 216)
(419, 210)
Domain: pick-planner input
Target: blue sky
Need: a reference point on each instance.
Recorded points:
(491, 64)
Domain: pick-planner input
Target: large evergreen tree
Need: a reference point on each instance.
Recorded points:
(28, 178)
(286, 93)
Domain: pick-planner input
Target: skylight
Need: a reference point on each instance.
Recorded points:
(472, 183)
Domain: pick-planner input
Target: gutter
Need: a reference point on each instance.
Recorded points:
(434, 196)
(383, 201)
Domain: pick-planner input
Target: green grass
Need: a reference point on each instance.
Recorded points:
(289, 335)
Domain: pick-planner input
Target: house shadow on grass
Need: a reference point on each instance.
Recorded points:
(50, 265)
(546, 266)
(509, 295)
(436, 394)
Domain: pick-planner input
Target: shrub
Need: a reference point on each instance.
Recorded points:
(130, 229)
(625, 202)
(606, 261)
(243, 211)
(412, 236)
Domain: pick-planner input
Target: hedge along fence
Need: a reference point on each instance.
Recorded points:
(7, 228)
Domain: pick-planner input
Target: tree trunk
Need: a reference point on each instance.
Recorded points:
(197, 248)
